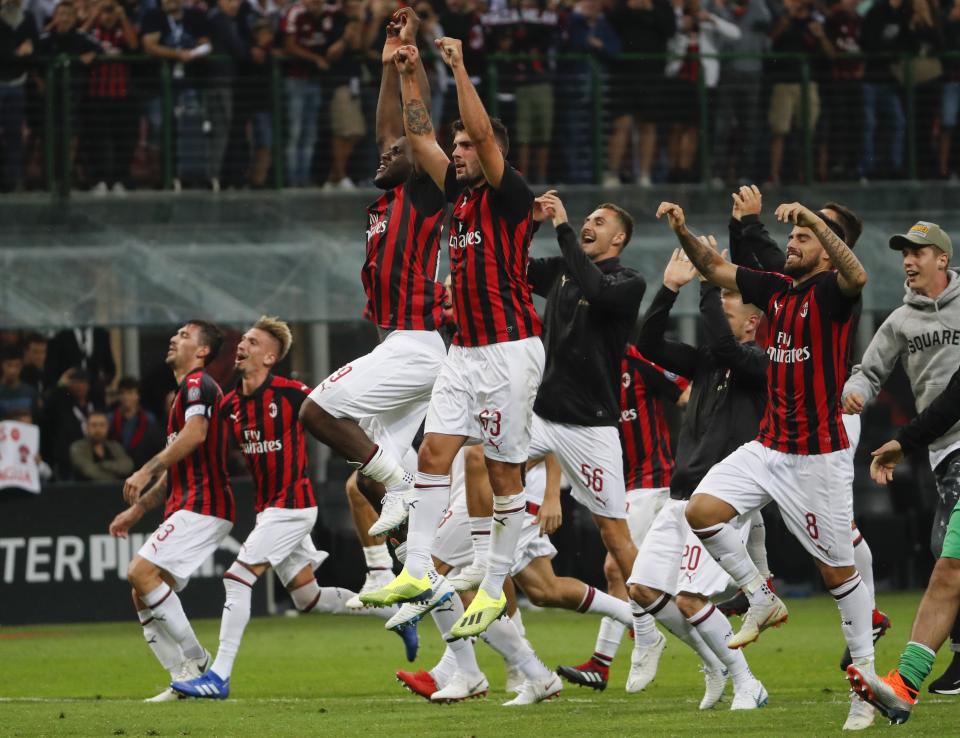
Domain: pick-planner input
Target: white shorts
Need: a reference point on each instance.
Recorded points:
(387, 391)
(281, 538)
(643, 505)
(814, 494)
(592, 461)
(486, 393)
(851, 423)
(183, 542)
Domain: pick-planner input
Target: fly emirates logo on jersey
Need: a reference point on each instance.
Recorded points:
(783, 351)
(378, 225)
(254, 444)
(464, 238)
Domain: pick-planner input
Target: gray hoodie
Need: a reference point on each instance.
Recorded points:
(925, 335)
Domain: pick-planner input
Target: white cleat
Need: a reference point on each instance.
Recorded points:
(861, 714)
(716, 682)
(757, 619)
(750, 696)
(376, 579)
(468, 578)
(393, 513)
(534, 691)
(515, 679)
(191, 669)
(412, 612)
(643, 665)
(462, 687)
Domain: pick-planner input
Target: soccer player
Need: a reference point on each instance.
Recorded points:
(190, 476)
(647, 466)
(801, 457)
(261, 413)
(896, 694)
(487, 385)
(369, 410)
(921, 335)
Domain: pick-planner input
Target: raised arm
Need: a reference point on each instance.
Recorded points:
(476, 122)
(706, 260)
(747, 360)
(851, 276)
(416, 118)
(401, 31)
(751, 245)
(674, 356)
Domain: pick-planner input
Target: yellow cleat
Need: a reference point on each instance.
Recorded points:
(480, 615)
(404, 588)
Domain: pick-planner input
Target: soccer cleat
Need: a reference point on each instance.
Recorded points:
(404, 588)
(860, 716)
(769, 614)
(949, 682)
(462, 687)
(411, 640)
(375, 579)
(479, 616)
(589, 674)
(738, 604)
(191, 669)
(206, 686)
(419, 682)
(750, 696)
(515, 680)
(643, 665)
(534, 691)
(881, 624)
(410, 613)
(716, 683)
(468, 578)
(393, 514)
(893, 697)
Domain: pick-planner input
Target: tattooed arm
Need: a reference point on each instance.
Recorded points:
(708, 262)
(416, 118)
(851, 276)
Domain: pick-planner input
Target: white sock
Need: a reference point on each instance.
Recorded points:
(503, 638)
(427, 506)
(166, 608)
(166, 650)
(715, 629)
(757, 544)
(725, 545)
(517, 619)
(312, 598)
(443, 672)
(377, 557)
(480, 535)
(383, 468)
(856, 618)
(665, 610)
(644, 627)
(508, 513)
(608, 639)
(446, 616)
(238, 583)
(600, 602)
(863, 560)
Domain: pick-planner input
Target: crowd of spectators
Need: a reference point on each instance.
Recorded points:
(226, 94)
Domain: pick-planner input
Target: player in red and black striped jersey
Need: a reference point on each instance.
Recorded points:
(191, 473)
(801, 457)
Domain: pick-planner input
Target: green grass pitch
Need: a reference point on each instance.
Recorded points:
(333, 676)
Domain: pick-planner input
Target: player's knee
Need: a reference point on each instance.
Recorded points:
(431, 457)
(701, 512)
(643, 595)
(473, 460)
(138, 571)
(689, 604)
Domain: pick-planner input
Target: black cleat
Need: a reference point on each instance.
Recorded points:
(949, 681)
(589, 674)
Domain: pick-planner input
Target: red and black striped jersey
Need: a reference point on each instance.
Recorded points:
(644, 434)
(810, 329)
(199, 482)
(490, 236)
(111, 80)
(403, 249)
(267, 428)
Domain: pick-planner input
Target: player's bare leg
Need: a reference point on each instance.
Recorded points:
(616, 539)
(375, 553)
(480, 509)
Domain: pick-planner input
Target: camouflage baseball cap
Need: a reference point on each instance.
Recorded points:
(923, 233)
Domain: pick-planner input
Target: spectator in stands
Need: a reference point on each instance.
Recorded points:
(133, 427)
(94, 458)
(586, 31)
(698, 32)
(347, 125)
(460, 21)
(307, 36)
(230, 48)
(178, 36)
(16, 396)
(639, 89)
(257, 86)
(34, 358)
(794, 32)
(841, 94)
(738, 95)
(430, 30)
(87, 348)
(111, 114)
(254, 11)
(18, 40)
(65, 419)
(950, 103)
(42, 12)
